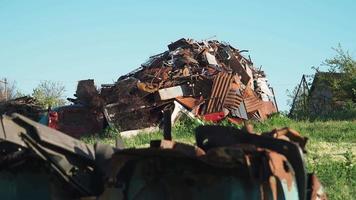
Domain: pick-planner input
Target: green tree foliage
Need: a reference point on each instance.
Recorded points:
(340, 80)
(49, 93)
(343, 63)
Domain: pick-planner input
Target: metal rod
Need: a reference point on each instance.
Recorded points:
(274, 99)
(295, 97)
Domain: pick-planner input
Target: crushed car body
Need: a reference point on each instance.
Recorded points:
(61, 166)
(226, 163)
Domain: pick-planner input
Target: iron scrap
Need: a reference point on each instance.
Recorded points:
(26, 105)
(211, 79)
(241, 163)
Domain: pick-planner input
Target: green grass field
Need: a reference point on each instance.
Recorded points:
(331, 148)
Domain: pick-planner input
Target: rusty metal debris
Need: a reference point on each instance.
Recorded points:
(207, 80)
(227, 163)
(37, 162)
(212, 80)
(75, 120)
(27, 106)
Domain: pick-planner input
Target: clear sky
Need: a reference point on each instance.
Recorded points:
(68, 41)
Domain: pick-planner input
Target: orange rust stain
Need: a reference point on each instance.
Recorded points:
(276, 163)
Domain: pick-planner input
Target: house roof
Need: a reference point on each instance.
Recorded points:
(322, 79)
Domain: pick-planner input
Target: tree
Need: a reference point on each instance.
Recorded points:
(333, 94)
(8, 90)
(49, 93)
(343, 63)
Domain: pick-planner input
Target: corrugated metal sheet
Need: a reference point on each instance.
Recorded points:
(233, 100)
(221, 86)
(240, 111)
(252, 103)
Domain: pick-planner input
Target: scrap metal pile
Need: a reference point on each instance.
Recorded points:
(27, 106)
(209, 79)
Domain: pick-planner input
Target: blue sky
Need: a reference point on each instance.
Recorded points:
(67, 41)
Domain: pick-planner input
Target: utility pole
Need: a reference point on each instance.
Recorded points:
(5, 88)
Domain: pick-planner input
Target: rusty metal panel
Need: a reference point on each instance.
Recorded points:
(221, 85)
(233, 100)
(267, 108)
(240, 112)
(252, 103)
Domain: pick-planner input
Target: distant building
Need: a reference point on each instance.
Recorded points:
(320, 99)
